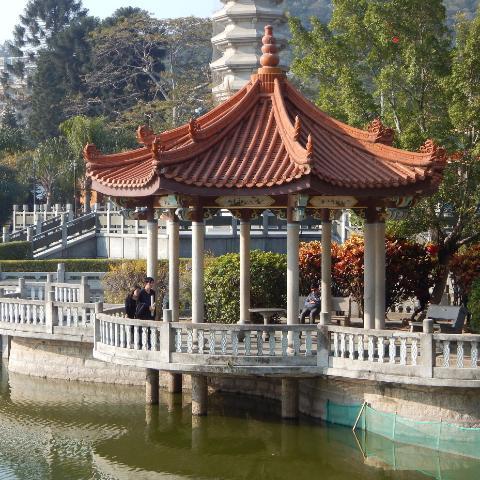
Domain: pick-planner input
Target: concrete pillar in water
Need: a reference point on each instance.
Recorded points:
(174, 382)
(326, 312)
(369, 270)
(380, 275)
(199, 395)
(151, 386)
(289, 398)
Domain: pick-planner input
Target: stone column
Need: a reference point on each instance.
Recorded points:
(199, 395)
(293, 243)
(173, 265)
(198, 248)
(152, 244)
(289, 398)
(30, 233)
(6, 234)
(369, 270)
(63, 223)
(326, 290)
(380, 276)
(151, 386)
(14, 218)
(244, 267)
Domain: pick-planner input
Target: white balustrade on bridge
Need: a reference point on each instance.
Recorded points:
(24, 312)
(457, 353)
(75, 315)
(375, 346)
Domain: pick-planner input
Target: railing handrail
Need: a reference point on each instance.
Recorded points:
(374, 332)
(242, 328)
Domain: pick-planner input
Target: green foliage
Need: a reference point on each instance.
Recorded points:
(474, 306)
(15, 250)
(222, 284)
(10, 191)
(123, 276)
(385, 59)
(71, 265)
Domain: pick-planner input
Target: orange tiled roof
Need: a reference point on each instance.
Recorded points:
(266, 135)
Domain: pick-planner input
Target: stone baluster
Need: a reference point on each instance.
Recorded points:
(84, 290)
(14, 218)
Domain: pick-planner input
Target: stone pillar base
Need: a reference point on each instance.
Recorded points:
(151, 386)
(289, 398)
(199, 395)
(174, 383)
(325, 318)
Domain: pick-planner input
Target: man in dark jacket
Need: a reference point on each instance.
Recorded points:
(146, 301)
(312, 305)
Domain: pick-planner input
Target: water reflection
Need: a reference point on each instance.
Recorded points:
(59, 430)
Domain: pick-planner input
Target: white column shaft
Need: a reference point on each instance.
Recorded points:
(293, 243)
(152, 248)
(326, 273)
(369, 276)
(198, 247)
(380, 276)
(244, 272)
(173, 268)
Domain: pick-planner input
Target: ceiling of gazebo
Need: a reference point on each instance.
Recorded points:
(267, 139)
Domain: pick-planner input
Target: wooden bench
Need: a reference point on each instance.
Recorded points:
(448, 319)
(341, 309)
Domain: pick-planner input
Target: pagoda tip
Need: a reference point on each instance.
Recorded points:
(270, 56)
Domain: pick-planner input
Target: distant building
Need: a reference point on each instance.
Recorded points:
(238, 29)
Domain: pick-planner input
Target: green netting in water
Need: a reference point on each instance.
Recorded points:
(439, 436)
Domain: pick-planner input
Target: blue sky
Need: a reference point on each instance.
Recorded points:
(11, 9)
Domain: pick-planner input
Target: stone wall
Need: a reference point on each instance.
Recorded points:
(67, 361)
(460, 406)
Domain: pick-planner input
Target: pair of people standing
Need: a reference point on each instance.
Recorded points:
(140, 302)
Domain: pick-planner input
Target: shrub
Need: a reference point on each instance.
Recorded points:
(71, 265)
(409, 269)
(268, 273)
(121, 277)
(465, 268)
(15, 250)
(474, 306)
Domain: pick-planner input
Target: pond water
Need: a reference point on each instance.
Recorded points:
(66, 430)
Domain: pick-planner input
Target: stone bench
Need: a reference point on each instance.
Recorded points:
(448, 319)
(341, 309)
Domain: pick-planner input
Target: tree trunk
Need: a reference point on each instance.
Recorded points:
(444, 257)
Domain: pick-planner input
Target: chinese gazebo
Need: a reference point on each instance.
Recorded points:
(267, 147)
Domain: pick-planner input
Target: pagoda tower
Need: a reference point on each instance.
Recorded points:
(237, 33)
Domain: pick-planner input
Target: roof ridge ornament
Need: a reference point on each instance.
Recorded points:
(145, 135)
(193, 129)
(270, 57)
(90, 154)
(298, 128)
(379, 133)
(309, 147)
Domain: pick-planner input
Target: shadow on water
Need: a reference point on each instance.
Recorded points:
(65, 430)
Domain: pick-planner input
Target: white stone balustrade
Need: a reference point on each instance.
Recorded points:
(24, 312)
(456, 352)
(75, 315)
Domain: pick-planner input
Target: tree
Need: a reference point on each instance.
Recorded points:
(465, 267)
(51, 161)
(451, 216)
(126, 63)
(10, 191)
(41, 22)
(383, 59)
(80, 130)
(142, 65)
(57, 82)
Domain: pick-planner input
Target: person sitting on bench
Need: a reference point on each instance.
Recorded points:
(312, 305)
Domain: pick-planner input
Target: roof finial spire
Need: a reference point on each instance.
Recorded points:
(270, 56)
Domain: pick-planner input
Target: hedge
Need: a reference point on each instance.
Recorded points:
(71, 265)
(15, 250)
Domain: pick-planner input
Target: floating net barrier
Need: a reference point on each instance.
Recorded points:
(437, 449)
